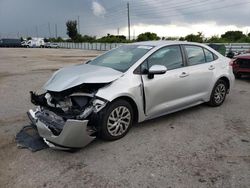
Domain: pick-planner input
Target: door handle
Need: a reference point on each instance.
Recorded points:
(183, 74)
(211, 67)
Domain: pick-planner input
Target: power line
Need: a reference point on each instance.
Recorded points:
(120, 18)
(163, 4)
(200, 11)
(178, 8)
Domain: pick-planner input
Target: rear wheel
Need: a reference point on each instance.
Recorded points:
(115, 120)
(219, 93)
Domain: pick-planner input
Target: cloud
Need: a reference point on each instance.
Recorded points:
(98, 9)
(166, 18)
(177, 30)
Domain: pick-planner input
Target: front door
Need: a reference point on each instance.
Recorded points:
(165, 92)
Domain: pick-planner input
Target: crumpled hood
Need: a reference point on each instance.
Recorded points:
(72, 76)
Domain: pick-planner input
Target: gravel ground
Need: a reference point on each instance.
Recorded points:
(197, 147)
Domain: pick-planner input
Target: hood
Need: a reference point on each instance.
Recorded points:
(72, 76)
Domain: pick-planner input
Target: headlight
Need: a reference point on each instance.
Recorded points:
(98, 105)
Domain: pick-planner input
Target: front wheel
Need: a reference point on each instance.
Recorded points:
(218, 94)
(115, 120)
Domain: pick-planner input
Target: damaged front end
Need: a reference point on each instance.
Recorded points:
(65, 119)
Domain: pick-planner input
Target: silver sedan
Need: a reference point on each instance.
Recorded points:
(129, 84)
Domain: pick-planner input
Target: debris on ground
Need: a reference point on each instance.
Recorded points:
(29, 138)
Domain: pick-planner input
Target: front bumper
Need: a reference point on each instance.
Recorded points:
(74, 133)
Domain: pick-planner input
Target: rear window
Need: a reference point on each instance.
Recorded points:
(209, 55)
(195, 55)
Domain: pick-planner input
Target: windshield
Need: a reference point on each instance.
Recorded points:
(121, 58)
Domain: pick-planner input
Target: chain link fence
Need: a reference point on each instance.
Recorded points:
(235, 47)
(89, 46)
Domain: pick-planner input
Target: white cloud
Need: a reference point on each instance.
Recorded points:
(98, 9)
(180, 29)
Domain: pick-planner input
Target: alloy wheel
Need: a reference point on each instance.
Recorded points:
(118, 121)
(220, 93)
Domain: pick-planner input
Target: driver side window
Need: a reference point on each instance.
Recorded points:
(169, 56)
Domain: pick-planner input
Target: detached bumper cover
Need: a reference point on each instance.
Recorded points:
(74, 133)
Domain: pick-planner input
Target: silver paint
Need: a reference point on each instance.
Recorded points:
(74, 134)
(165, 93)
(69, 77)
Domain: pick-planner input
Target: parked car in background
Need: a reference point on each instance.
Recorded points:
(51, 45)
(129, 84)
(24, 43)
(221, 48)
(10, 43)
(241, 65)
(34, 43)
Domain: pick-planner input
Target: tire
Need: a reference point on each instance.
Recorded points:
(113, 126)
(219, 93)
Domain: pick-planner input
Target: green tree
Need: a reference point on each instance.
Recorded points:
(72, 29)
(182, 39)
(58, 39)
(195, 38)
(233, 36)
(171, 38)
(46, 40)
(147, 36)
(85, 38)
(215, 39)
(113, 38)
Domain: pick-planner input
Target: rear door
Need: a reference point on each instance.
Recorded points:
(200, 67)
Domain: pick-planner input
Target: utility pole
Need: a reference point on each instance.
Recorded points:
(78, 20)
(27, 33)
(56, 30)
(36, 31)
(118, 31)
(49, 30)
(128, 21)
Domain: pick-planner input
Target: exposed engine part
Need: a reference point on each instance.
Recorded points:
(54, 122)
(98, 105)
(74, 106)
(38, 100)
(64, 105)
(86, 112)
(80, 101)
(83, 94)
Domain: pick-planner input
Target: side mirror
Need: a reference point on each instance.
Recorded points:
(156, 69)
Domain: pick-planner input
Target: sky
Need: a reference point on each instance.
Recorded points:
(167, 18)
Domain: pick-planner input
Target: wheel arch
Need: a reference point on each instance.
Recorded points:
(132, 103)
(226, 80)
